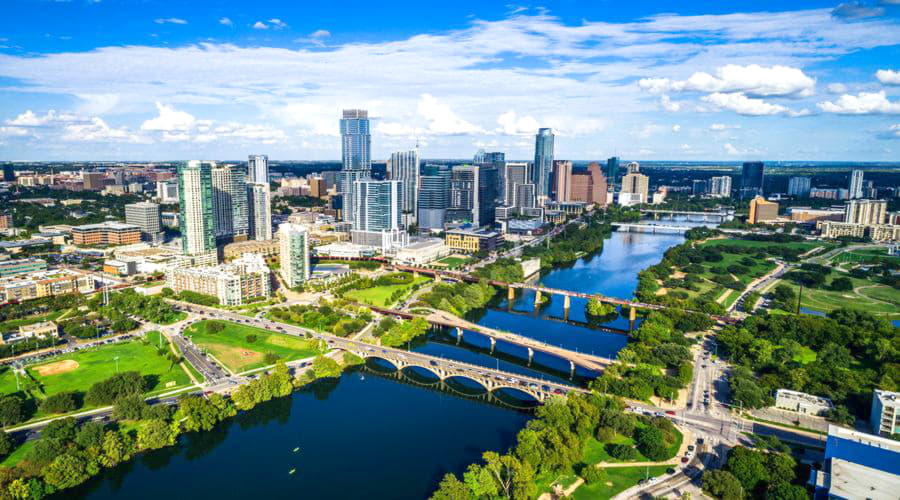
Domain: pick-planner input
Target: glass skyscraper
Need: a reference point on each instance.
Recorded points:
(434, 196)
(377, 206)
(294, 251)
(543, 161)
(230, 203)
(196, 218)
(258, 168)
(356, 149)
(404, 167)
(612, 169)
(752, 174)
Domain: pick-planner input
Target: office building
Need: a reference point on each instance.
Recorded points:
(317, 187)
(800, 402)
(106, 233)
(799, 187)
(762, 210)
(377, 206)
(699, 187)
(294, 245)
(259, 202)
(356, 146)
(145, 215)
(473, 191)
(497, 160)
(9, 175)
(233, 284)
(15, 267)
(434, 197)
(811, 215)
(93, 181)
(588, 186)
(516, 174)
(195, 198)
(635, 185)
(230, 203)
(720, 186)
(119, 177)
(167, 192)
(543, 163)
(752, 175)
(6, 221)
(866, 212)
(885, 414)
(856, 184)
(857, 466)
(403, 166)
(258, 168)
(421, 252)
(472, 241)
(612, 170)
(561, 188)
(525, 196)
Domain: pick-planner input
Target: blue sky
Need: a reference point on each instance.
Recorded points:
(154, 80)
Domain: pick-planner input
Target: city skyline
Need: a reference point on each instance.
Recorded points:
(800, 81)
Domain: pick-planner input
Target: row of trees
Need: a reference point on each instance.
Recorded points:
(333, 317)
(459, 298)
(506, 270)
(150, 308)
(402, 332)
(757, 474)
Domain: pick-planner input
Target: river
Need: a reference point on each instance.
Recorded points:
(367, 435)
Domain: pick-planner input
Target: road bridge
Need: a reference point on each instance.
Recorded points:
(650, 228)
(692, 215)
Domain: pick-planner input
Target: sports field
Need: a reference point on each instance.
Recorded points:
(866, 295)
(381, 295)
(232, 347)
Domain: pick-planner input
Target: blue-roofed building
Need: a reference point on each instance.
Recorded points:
(858, 465)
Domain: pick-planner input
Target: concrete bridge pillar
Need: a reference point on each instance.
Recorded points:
(571, 369)
(530, 356)
(510, 294)
(632, 316)
(537, 297)
(493, 344)
(459, 335)
(437, 277)
(567, 302)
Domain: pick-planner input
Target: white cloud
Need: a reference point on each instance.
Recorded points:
(14, 132)
(731, 149)
(753, 80)
(98, 131)
(510, 125)
(277, 23)
(721, 126)
(888, 77)
(398, 129)
(676, 128)
(170, 20)
(320, 34)
(747, 106)
(668, 104)
(259, 25)
(50, 118)
(865, 103)
(855, 9)
(893, 132)
(225, 21)
(837, 88)
(169, 120)
(645, 131)
(442, 120)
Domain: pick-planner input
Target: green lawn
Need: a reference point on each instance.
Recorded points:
(875, 298)
(14, 324)
(381, 295)
(453, 262)
(618, 479)
(595, 451)
(804, 246)
(230, 346)
(17, 454)
(805, 356)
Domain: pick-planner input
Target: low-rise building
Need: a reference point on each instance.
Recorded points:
(885, 414)
(266, 248)
(858, 465)
(344, 251)
(40, 330)
(423, 251)
(120, 267)
(811, 215)
(44, 284)
(106, 233)
(472, 241)
(873, 232)
(762, 210)
(801, 402)
(233, 284)
(15, 267)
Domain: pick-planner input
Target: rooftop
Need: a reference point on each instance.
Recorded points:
(107, 225)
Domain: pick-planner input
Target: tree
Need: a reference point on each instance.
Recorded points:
(122, 384)
(722, 484)
(62, 402)
(129, 407)
(787, 491)
(325, 367)
(748, 466)
(90, 435)
(12, 410)
(196, 413)
(451, 488)
(63, 430)
(593, 474)
(650, 443)
(68, 470)
(6, 444)
(841, 284)
(116, 448)
(480, 481)
(155, 434)
(621, 452)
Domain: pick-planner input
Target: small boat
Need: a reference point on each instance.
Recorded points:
(292, 471)
(296, 449)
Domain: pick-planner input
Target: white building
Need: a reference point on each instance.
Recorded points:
(866, 211)
(630, 199)
(720, 187)
(801, 402)
(858, 466)
(233, 284)
(258, 168)
(196, 217)
(146, 216)
(422, 252)
(344, 251)
(885, 414)
(403, 166)
(856, 184)
(260, 204)
(167, 192)
(294, 246)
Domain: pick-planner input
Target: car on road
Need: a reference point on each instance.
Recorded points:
(670, 412)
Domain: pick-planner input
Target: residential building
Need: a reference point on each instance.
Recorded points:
(44, 284)
(720, 186)
(434, 197)
(294, 256)
(6, 221)
(885, 414)
(497, 160)
(884, 232)
(266, 248)
(516, 174)
(588, 186)
(561, 187)
(403, 166)
(106, 233)
(230, 203)
(356, 146)
(422, 252)
(525, 196)
(829, 194)
(635, 183)
(377, 206)
(830, 229)
(145, 215)
(120, 267)
(801, 402)
(317, 187)
(752, 175)
(799, 186)
(9, 175)
(93, 181)
(472, 241)
(258, 168)
(195, 200)
(233, 284)
(612, 170)
(866, 211)
(15, 267)
(762, 210)
(167, 192)
(856, 184)
(473, 191)
(857, 466)
(543, 163)
(699, 187)
(260, 214)
(806, 214)
(41, 330)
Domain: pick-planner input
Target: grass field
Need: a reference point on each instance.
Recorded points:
(453, 262)
(230, 346)
(804, 246)
(17, 454)
(381, 295)
(618, 479)
(14, 324)
(866, 295)
(595, 451)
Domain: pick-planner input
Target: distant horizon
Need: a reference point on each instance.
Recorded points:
(738, 163)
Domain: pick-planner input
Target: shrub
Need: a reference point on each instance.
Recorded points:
(271, 358)
(621, 451)
(251, 338)
(214, 326)
(605, 434)
(59, 403)
(592, 474)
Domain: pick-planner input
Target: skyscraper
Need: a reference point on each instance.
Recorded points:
(720, 187)
(434, 196)
(497, 160)
(195, 199)
(258, 168)
(865, 211)
(488, 187)
(9, 175)
(562, 180)
(472, 194)
(260, 214)
(146, 216)
(799, 187)
(515, 175)
(589, 186)
(752, 174)
(293, 241)
(699, 187)
(635, 186)
(403, 166)
(377, 206)
(230, 203)
(356, 145)
(543, 162)
(856, 184)
(612, 170)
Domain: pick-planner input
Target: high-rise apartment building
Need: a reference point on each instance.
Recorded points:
(403, 166)
(146, 216)
(497, 160)
(856, 184)
(543, 162)
(259, 200)
(472, 194)
(356, 148)
(258, 168)
(799, 186)
(196, 218)
(293, 240)
(516, 174)
(635, 185)
(230, 203)
(434, 197)
(612, 170)
(377, 206)
(561, 187)
(317, 187)
(752, 175)
(865, 212)
(720, 186)
(233, 284)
